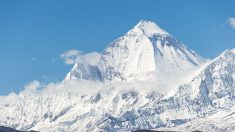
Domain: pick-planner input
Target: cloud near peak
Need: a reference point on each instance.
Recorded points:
(72, 56)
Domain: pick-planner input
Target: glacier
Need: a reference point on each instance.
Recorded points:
(145, 79)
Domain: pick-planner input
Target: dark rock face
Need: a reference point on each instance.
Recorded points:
(157, 131)
(147, 131)
(8, 129)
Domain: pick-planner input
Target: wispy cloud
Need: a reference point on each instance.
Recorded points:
(31, 88)
(70, 56)
(78, 87)
(73, 56)
(35, 89)
(231, 22)
(8, 99)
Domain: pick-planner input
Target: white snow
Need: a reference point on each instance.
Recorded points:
(145, 79)
(150, 28)
(84, 72)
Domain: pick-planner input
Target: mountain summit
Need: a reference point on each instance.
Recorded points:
(150, 28)
(144, 53)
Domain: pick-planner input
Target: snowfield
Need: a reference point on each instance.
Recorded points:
(145, 79)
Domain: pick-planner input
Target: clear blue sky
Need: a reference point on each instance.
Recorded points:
(33, 33)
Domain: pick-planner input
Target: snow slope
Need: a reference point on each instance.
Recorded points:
(220, 121)
(84, 72)
(126, 98)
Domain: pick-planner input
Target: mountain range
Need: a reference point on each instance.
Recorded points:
(145, 79)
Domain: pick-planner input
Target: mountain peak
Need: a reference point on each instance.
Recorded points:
(144, 53)
(150, 28)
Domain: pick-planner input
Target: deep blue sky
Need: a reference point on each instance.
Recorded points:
(34, 33)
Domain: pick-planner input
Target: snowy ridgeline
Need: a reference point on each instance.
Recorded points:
(145, 79)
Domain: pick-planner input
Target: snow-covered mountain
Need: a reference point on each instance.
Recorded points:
(210, 96)
(144, 53)
(144, 80)
(147, 52)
